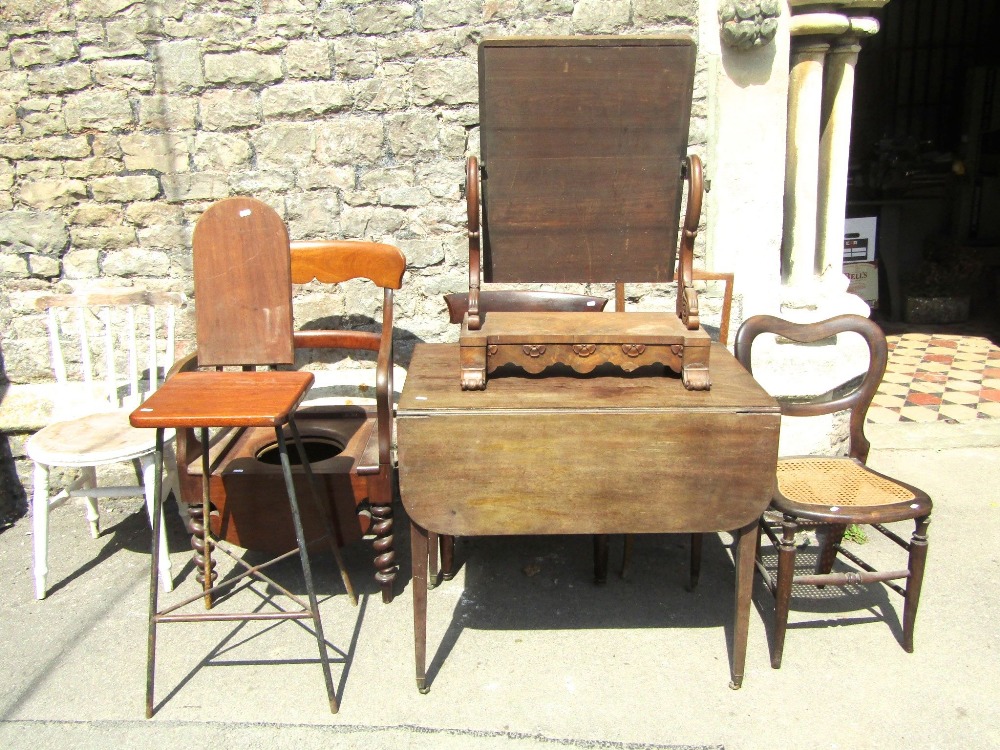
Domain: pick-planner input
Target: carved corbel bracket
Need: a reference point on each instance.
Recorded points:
(747, 24)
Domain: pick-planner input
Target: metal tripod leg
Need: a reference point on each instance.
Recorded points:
(286, 469)
(154, 567)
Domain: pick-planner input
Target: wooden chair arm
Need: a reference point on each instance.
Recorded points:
(687, 298)
(184, 364)
(383, 384)
(727, 298)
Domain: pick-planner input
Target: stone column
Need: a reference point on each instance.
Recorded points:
(825, 44)
(802, 160)
(835, 144)
(834, 152)
(824, 49)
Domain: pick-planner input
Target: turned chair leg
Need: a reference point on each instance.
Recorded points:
(40, 528)
(381, 494)
(149, 479)
(828, 537)
(918, 558)
(88, 481)
(783, 589)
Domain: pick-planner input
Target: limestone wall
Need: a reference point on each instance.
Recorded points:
(121, 120)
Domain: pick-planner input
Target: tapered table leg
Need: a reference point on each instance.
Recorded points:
(433, 573)
(744, 548)
(419, 553)
(601, 547)
(695, 571)
(447, 556)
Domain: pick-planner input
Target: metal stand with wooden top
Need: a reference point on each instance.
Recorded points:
(202, 400)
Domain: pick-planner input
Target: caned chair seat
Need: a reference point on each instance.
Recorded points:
(839, 490)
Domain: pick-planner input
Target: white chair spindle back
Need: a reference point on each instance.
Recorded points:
(154, 370)
(115, 313)
(134, 394)
(81, 331)
(171, 353)
(110, 371)
(55, 346)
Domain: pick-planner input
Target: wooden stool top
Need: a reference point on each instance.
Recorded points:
(224, 399)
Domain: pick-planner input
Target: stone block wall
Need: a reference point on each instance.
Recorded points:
(122, 120)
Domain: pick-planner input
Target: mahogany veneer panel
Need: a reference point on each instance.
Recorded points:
(582, 143)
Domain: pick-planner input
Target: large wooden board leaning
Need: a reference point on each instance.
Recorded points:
(582, 142)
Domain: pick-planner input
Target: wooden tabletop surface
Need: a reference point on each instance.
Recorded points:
(223, 399)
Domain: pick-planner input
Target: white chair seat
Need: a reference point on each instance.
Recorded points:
(90, 440)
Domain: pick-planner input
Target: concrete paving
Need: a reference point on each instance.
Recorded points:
(524, 651)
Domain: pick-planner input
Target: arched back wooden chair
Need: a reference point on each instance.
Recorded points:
(831, 493)
(349, 447)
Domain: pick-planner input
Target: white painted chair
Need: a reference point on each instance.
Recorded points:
(99, 341)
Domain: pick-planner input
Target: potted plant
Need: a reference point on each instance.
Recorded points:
(939, 290)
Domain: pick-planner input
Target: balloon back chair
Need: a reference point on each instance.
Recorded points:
(831, 493)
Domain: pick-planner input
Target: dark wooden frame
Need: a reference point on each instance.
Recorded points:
(832, 521)
(620, 179)
(361, 474)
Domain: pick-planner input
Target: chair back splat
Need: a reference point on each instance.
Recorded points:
(242, 285)
(858, 399)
